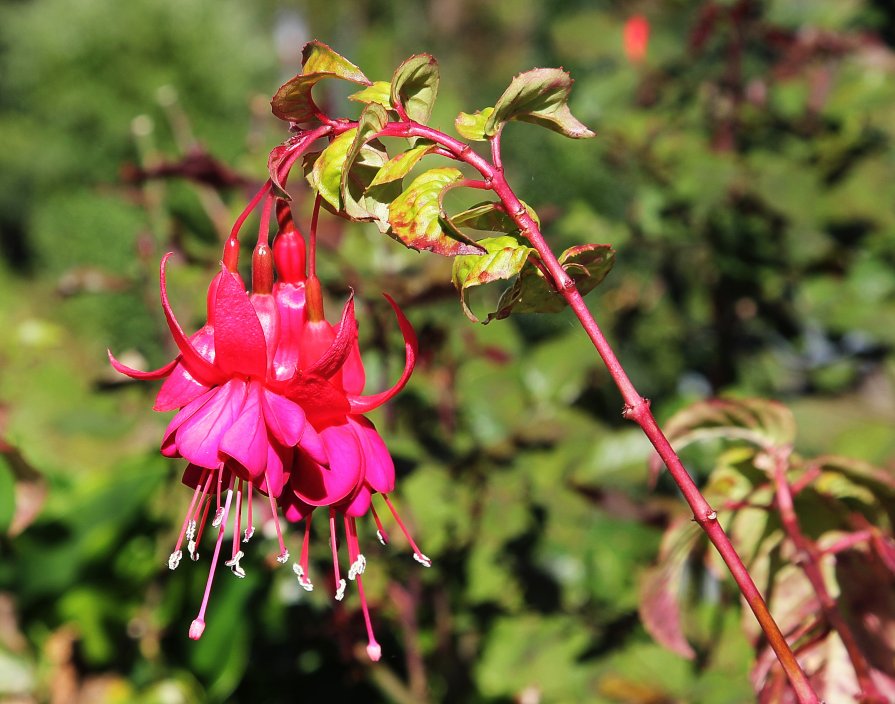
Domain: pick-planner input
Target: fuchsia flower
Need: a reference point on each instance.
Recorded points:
(269, 397)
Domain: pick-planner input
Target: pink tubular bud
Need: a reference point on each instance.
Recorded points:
(262, 269)
(314, 300)
(231, 255)
(289, 255)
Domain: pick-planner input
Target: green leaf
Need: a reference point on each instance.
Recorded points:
(472, 125)
(490, 217)
(372, 120)
(326, 176)
(587, 264)
(293, 100)
(504, 259)
(415, 215)
(7, 496)
(760, 422)
(379, 93)
(539, 96)
(401, 164)
(415, 86)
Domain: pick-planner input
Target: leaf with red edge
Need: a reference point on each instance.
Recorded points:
(539, 96)
(415, 86)
(239, 344)
(472, 125)
(760, 422)
(415, 215)
(293, 100)
(504, 259)
(365, 404)
(400, 165)
(660, 590)
(587, 264)
(379, 92)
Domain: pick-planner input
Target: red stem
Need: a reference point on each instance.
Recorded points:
(809, 557)
(636, 407)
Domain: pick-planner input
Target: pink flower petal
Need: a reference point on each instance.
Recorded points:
(266, 309)
(364, 404)
(294, 509)
(285, 419)
(353, 375)
(379, 468)
(312, 443)
(277, 458)
(246, 439)
(169, 444)
(159, 373)
(199, 368)
(290, 300)
(199, 438)
(180, 387)
(359, 503)
(240, 348)
(346, 336)
(321, 401)
(318, 486)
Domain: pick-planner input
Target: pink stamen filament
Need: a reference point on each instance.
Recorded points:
(373, 648)
(305, 546)
(284, 554)
(189, 511)
(198, 624)
(417, 553)
(357, 560)
(340, 583)
(237, 518)
(250, 529)
(380, 531)
(207, 502)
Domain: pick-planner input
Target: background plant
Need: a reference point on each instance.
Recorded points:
(760, 265)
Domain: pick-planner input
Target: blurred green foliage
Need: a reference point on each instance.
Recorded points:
(743, 173)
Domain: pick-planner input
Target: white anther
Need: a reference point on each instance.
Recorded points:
(190, 530)
(422, 559)
(233, 564)
(340, 592)
(381, 539)
(191, 546)
(218, 517)
(174, 559)
(248, 533)
(283, 557)
(303, 581)
(357, 567)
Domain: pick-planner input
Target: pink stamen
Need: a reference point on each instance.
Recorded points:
(283, 557)
(207, 500)
(250, 528)
(237, 518)
(198, 624)
(380, 531)
(374, 651)
(417, 553)
(340, 583)
(174, 560)
(358, 561)
(301, 569)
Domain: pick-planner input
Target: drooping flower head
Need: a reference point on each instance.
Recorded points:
(269, 398)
